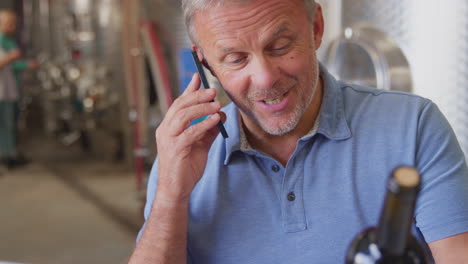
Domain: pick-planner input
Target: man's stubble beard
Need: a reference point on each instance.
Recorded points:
(285, 126)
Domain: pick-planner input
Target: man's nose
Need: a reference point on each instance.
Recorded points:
(264, 73)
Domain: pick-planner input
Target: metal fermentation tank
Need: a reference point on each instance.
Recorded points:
(433, 37)
(78, 43)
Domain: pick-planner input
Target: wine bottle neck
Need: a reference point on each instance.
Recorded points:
(396, 219)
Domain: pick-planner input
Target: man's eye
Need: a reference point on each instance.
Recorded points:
(235, 59)
(278, 48)
(280, 45)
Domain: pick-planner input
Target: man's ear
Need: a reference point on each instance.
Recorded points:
(318, 26)
(202, 59)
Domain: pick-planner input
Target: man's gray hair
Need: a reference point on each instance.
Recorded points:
(190, 7)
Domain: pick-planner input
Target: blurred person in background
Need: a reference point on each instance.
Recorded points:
(11, 66)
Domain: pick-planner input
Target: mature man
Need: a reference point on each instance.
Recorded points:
(307, 158)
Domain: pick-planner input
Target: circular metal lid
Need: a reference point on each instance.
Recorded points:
(364, 55)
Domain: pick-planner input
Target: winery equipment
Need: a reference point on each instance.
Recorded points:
(431, 35)
(104, 65)
(365, 55)
(82, 94)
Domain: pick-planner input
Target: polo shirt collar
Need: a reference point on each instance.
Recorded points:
(332, 120)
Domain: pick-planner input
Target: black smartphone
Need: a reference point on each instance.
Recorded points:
(206, 85)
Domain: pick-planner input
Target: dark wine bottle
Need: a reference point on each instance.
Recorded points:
(391, 241)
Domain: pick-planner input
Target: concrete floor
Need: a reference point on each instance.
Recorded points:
(66, 207)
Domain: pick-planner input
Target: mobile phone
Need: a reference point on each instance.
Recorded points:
(206, 85)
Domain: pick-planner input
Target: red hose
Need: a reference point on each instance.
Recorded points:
(134, 95)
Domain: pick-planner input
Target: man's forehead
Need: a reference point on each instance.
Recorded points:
(227, 28)
(241, 4)
(245, 14)
(281, 29)
(217, 3)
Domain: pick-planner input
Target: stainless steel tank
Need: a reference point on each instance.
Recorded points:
(433, 37)
(79, 46)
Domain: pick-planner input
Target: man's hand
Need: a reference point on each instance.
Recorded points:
(182, 156)
(183, 150)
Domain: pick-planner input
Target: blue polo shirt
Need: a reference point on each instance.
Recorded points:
(248, 208)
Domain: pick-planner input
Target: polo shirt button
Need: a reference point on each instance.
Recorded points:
(291, 196)
(275, 168)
